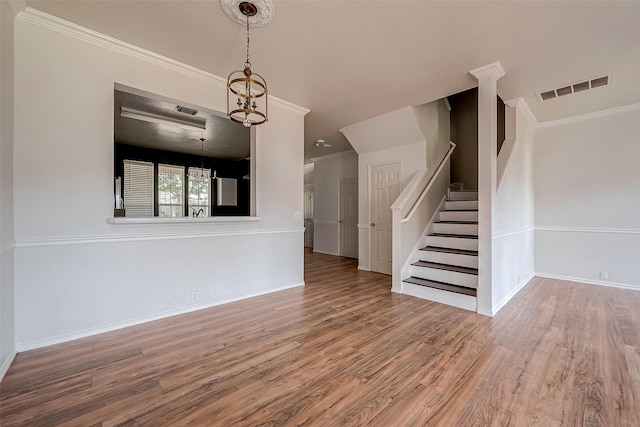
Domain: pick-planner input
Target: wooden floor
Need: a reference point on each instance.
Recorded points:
(344, 350)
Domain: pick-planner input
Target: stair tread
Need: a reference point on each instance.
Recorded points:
(457, 236)
(449, 250)
(460, 210)
(457, 222)
(447, 267)
(442, 286)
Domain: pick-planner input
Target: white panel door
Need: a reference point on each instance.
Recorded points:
(308, 215)
(348, 221)
(385, 187)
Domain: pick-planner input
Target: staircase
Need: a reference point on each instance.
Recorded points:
(447, 267)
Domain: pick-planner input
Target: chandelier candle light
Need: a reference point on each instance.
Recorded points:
(247, 94)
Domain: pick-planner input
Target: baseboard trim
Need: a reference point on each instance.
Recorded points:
(590, 282)
(512, 294)
(325, 252)
(6, 364)
(32, 345)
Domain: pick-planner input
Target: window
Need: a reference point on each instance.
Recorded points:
(170, 191)
(138, 189)
(199, 191)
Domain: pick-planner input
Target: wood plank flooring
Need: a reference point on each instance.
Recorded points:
(345, 351)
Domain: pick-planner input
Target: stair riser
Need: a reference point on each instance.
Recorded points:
(462, 229)
(463, 195)
(458, 216)
(457, 205)
(450, 259)
(444, 297)
(445, 276)
(452, 243)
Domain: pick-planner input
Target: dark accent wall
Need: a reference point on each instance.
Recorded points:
(225, 168)
(464, 133)
(501, 118)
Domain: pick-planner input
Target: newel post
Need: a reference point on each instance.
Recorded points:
(487, 182)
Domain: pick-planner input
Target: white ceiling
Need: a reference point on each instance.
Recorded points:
(348, 61)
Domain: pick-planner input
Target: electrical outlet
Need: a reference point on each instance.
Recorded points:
(604, 275)
(297, 215)
(194, 296)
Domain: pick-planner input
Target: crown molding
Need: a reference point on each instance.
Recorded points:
(17, 6)
(494, 70)
(44, 20)
(521, 105)
(591, 116)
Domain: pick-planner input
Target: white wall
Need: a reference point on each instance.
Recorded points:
(513, 219)
(411, 157)
(7, 338)
(434, 120)
(587, 193)
(76, 274)
(327, 172)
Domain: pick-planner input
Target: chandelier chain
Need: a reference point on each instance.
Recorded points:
(247, 63)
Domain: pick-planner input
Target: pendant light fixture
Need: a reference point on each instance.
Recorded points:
(247, 94)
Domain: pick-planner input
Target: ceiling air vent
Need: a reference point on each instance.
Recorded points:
(186, 110)
(575, 88)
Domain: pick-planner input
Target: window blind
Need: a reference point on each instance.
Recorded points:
(199, 190)
(170, 191)
(138, 189)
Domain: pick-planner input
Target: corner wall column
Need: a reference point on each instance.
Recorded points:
(487, 182)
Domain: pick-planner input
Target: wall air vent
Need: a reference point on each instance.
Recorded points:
(575, 88)
(186, 110)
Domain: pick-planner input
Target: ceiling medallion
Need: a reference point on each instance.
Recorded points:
(245, 86)
(263, 15)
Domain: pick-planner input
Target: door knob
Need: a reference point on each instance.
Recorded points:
(373, 224)
(340, 221)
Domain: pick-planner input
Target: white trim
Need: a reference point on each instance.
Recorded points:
(465, 302)
(44, 20)
(7, 246)
(589, 230)
(508, 147)
(512, 294)
(495, 70)
(325, 252)
(413, 255)
(184, 220)
(524, 109)
(591, 116)
(29, 243)
(333, 155)
(6, 363)
(17, 6)
(31, 345)
(484, 312)
(511, 233)
(590, 282)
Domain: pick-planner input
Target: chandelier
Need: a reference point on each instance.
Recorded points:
(247, 94)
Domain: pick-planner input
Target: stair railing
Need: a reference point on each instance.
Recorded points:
(413, 211)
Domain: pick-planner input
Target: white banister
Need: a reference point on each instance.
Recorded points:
(413, 185)
(407, 229)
